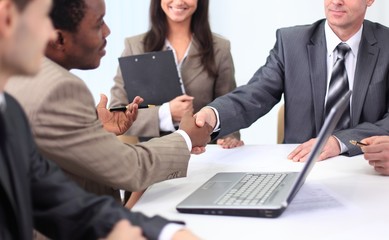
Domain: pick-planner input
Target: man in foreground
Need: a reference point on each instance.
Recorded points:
(34, 192)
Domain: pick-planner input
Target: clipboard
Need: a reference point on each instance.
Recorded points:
(152, 76)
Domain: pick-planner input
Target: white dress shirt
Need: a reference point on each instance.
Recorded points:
(165, 117)
(350, 61)
(2, 102)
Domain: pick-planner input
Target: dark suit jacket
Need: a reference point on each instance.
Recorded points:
(297, 68)
(37, 193)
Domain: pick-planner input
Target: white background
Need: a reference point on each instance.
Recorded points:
(250, 25)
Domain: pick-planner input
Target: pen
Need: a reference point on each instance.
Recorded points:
(124, 108)
(356, 143)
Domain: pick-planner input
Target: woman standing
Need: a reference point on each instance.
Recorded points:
(203, 60)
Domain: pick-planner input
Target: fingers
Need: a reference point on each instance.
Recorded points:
(229, 142)
(206, 115)
(137, 100)
(298, 153)
(199, 136)
(179, 105)
(301, 153)
(376, 140)
(132, 108)
(369, 140)
(184, 98)
(380, 166)
(103, 101)
(123, 230)
(198, 150)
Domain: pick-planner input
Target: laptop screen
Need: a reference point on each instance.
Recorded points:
(325, 132)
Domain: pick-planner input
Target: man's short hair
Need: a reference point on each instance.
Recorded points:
(67, 14)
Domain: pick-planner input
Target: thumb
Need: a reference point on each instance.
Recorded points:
(200, 119)
(103, 101)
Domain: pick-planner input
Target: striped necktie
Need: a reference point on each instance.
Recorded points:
(339, 86)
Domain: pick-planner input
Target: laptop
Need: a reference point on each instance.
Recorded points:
(270, 193)
(153, 76)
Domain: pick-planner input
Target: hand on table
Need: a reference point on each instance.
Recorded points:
(301, 153)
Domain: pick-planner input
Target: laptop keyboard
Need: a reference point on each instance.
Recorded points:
(253, 189)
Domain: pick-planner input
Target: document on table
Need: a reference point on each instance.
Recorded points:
(315, 197)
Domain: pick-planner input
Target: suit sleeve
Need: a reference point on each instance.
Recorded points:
(74, 138)
(62, 210)
(225, 80)
(243, 106)
(376, 125)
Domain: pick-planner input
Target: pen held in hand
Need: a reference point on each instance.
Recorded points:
(359, 144)
(124, 108)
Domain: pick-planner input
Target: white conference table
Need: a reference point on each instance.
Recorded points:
(342, 198)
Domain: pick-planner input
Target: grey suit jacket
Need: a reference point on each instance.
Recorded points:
(296, 67)
(197, 82)
(64, 121)
(37, 194)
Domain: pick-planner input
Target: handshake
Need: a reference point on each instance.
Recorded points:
(199, 128)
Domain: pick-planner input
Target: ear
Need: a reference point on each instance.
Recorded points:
(369, 2)
(59, 42)
(7, 17)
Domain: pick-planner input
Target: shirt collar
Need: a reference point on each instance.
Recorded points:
(2, 102)
(169, 46)
(333, 40)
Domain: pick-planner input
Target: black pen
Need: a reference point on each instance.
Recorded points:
(357, 143)
(124, 108)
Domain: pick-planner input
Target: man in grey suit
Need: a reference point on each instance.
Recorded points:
(62, 113)
(299, 66)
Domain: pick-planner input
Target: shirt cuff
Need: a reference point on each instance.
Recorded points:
(343, 147)
(169, 230)
(217, 126)
(165, 118)
(186, 137)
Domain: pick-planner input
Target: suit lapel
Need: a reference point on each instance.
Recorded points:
(5, 163)
(4, 177)
(367, 59)
(317, 53)
(192, 66)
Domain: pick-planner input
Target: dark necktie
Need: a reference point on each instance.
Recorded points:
(339, 86)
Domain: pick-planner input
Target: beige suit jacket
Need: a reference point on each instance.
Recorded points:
(62, 113)
(197, 82)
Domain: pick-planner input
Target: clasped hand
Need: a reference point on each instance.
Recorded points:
(199, 136)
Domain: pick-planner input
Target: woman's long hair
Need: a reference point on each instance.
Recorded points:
(156, 36)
